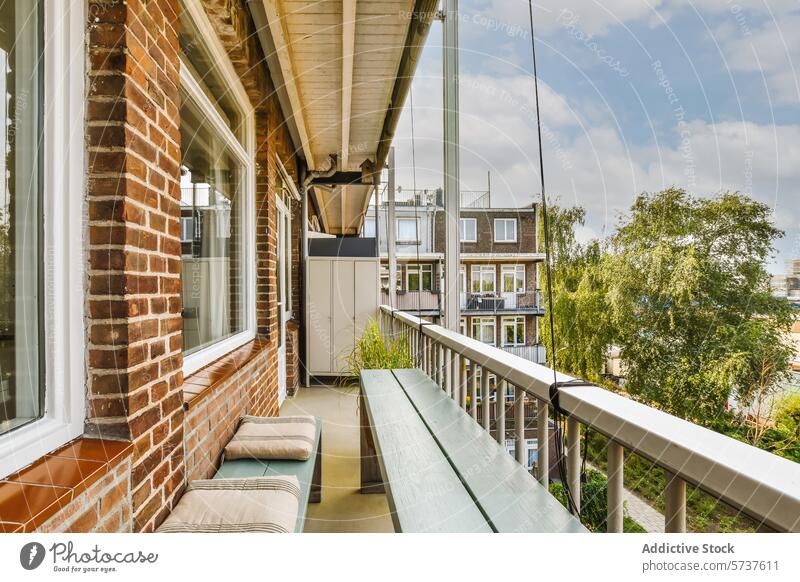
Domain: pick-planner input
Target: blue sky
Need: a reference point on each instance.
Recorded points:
(636, 96)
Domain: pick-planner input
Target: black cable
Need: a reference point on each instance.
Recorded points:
(559, 420)
(416, 227)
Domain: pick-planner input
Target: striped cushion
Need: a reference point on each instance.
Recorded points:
(258, 504)
(283, 437)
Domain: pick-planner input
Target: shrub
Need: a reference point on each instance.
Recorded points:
(373, 352)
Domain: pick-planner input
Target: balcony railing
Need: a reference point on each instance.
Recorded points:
(535, 353)
(413, 300)
(762, 485)
(497, 302)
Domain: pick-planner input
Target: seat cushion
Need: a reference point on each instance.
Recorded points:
(276, 438)
(258, 504)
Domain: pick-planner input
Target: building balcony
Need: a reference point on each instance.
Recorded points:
(426, 302)
(490, 303)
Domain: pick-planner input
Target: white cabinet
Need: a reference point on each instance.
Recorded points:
(342, 296)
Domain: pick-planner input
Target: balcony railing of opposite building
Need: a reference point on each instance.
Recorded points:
(762, 485)
(413, 300)
(497, 302)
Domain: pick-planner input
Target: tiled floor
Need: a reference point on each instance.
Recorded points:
(343, 507)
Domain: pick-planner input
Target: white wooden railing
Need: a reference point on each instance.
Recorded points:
(762, 485)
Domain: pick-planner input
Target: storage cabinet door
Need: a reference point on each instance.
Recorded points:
(366, 294)
(343, 313)
(319, 316)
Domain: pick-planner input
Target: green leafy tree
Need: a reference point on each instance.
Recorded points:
(689, 299)
(582, 324)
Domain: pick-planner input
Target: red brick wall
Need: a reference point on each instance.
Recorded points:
(212, 420)
(134, 302)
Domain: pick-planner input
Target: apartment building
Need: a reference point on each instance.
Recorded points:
(499, 296)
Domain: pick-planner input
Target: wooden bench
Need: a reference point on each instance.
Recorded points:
(440, 470)
(308, 473)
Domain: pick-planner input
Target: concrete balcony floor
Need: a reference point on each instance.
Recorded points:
(343, 507)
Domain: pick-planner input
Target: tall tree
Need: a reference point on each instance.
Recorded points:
(686, 279)
(582, 325)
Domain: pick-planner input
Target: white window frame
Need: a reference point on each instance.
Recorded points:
(418, 269)
(530, 445)
(505, 321)
(462, 230)
(64, 175)
(245, 156)
(505, 222)
(513, 271)
(414, 240)
(368, 220)
(480, 270)
(481, 322)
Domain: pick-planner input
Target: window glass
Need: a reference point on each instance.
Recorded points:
(513, 277)
(483, 279)
(415, 273)
(483, 329)
(513, 330)
(212, 196)
(369, 228)
(21, 372)
(407, 229)
(505, 229)
(469, 230)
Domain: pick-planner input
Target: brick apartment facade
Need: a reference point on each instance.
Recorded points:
(149, 428)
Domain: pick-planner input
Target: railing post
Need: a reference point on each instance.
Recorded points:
(674, 504)
(543, 443)
(500, 412)
(473, 390)
(519, 426)
(440, 366)
(462, 367)
(485, 400)
(614, 519)
(448, 372)
(455, 375)
(574, 460)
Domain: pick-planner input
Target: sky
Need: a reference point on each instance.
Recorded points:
(635, 96)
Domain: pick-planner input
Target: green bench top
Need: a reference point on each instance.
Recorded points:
(475, 467)
(303, 470)
(424, 492)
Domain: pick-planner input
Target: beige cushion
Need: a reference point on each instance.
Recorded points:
(282, 437)
(258, 504)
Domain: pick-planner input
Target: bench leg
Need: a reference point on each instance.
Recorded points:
(315, 495)
(371, 480)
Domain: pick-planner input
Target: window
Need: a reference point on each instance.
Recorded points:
(483, 278)
(42, 378)
(469, 230)
(513, 330)
(369, 228)
(483, 329)
(217, 275)
(413, 274)
(463, 325)
(407, 230)
(505, 230)
(531, 451)
(513, 278)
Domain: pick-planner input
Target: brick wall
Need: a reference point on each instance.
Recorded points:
(292, 357)
(134, 303)
(526, 231)
(212, 420)
(134, 324)
(103, 507)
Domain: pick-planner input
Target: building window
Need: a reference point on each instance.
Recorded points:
(513, 278)
(42, 173)
(469, 230)
(413, 275)
(531, 451)
(463, 325)
(217, 275)
(369, 228)
(407, 230)
(513, 330)
(505, 230)
(483, 329)
(483, 278)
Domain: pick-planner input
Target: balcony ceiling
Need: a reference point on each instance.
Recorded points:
(340, 64)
